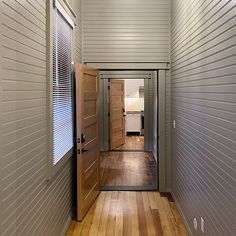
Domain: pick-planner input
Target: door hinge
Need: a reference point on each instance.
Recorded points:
(78, 151)
(109, 114)
(108, 87)
(78, 140)
(109, 140)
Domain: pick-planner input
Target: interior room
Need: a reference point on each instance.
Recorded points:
(134, 115)
(117, 117)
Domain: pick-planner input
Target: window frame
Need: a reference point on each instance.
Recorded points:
(62, 7)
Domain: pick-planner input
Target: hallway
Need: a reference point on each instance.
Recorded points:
(130, 214)
(67, 93)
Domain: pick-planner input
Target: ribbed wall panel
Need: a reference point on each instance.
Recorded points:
(76, 4)
(29, 205)
(126, 31)
(203, 77)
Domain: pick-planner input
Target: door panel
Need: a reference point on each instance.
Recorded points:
(117, 121)
(88, 163)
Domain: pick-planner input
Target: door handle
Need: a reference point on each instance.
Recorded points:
(83, 138)
(84, 150)
(124, 113)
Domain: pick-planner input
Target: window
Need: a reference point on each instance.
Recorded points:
(60, 87)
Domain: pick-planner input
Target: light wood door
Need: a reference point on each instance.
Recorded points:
(117, 119)
(87, 122)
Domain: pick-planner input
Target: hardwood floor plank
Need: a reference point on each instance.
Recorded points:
(126, 215)
(165, 223)
(134, 214)
(148, 215)
(78, 229)
(170, 216)
(119, 216)
(104, 216)
(130, 214)
(84, 226)
(142, 224)
(112, 214)
(157, 220)
(152, 201)
(97, 215)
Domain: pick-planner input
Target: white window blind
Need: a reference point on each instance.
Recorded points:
(62, 88)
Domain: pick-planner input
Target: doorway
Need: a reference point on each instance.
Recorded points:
(128, 160)
(126, 114)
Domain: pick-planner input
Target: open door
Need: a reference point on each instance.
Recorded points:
(88, 163)
(117, 110)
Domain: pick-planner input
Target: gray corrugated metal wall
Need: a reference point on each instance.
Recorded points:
(29, 206)
(203, 55)
(76, 5)
(126, 31)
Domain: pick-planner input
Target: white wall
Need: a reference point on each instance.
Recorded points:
(29, 205)
(133, 101)
(126, 31)
(132, 87)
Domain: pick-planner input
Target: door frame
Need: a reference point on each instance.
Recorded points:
(164, 167)
(104, 117)
(162, 130)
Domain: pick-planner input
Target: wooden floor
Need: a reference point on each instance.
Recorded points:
(130, 214)
(133, 143)
(128, 169)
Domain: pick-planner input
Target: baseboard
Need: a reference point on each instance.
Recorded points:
(182, 215)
